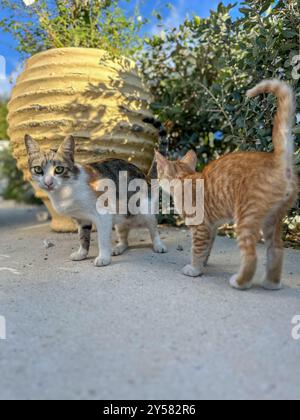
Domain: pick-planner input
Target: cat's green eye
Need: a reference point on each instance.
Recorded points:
(38, 170)
(59, 170)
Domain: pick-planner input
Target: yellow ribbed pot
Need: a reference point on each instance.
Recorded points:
(83, 92)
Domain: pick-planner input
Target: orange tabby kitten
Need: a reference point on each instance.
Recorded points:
(253, 189)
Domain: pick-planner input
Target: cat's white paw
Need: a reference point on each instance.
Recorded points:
(160, 248)
(191, 271)
(79, 255)
(235, 285)
(269, 285)
(119, 250)
(102, 261)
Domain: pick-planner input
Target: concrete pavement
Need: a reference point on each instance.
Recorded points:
(139, 329)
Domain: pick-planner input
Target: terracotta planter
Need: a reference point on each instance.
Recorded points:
(81, 92)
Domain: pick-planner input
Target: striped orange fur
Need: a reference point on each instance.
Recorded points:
(253, 189)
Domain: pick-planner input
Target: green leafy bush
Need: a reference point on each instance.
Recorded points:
(3, 122)
(16, 189)
(200, 72)
(73, 23)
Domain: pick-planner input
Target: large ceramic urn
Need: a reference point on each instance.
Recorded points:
(83, 92)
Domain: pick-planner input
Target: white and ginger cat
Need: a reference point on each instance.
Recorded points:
(72, 189)
(253, 189)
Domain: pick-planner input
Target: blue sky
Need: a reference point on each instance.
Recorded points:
(181, 9)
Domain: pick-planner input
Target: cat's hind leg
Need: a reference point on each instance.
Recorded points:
(202, 243)
(248, 235)
(122, 231)
(275, 249)
(151, 223)
(84, 233)
(213, 238)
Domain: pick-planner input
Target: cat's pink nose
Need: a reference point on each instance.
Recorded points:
(49, 183)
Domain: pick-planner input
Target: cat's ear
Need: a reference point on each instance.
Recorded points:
(161, 160)
(191, 160)
(32, 146)
(67, 148)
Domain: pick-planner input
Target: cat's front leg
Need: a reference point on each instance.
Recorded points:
(122, 231)
(104, 225)
(158, 246)
(84, 233)
(202, 238)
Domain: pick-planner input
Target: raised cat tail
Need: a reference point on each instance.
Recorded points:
(284, 119)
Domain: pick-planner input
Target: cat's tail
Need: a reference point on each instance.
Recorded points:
(157, 124)
(284, 119)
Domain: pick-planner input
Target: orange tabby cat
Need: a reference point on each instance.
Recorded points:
(253, 189)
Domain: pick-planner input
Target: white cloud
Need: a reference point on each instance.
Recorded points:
(5, 87)
(2, 67)
(8, 82)
(28, 2)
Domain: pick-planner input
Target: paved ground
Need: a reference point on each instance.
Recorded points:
(139, 329)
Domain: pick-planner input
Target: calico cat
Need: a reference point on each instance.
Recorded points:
(74, 190)
(253, 189)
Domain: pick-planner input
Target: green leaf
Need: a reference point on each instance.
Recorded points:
(290, 34)
(296, 130)
(240, 122)
(266, 6)
(245, 10)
